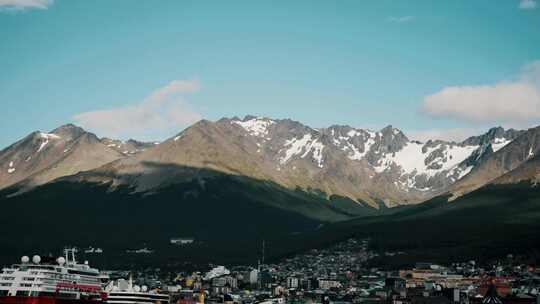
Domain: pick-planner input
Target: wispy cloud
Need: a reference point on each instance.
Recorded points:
(527, 4)
(515, 103)
(163, 112)
(25, 4)
(400, 19)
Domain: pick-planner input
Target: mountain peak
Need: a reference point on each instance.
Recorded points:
(390, 132)
(387, 128)
(492, 135)
(69, 130)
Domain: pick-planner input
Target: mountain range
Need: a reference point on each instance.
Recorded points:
(236, 170)
(369, 167)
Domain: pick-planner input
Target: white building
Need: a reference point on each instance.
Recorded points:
(254, 276)
(182, 241)
(292, 282)
(216, 272)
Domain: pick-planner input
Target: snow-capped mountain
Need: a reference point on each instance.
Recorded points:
(515, 161)
(431, 166)
(386, 162)
(43, 156)
(367, 166)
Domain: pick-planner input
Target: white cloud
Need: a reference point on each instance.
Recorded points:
(401, 19)
(456, 134)
(514, 102)
(25, 4)
(164, 112)
(527, 4)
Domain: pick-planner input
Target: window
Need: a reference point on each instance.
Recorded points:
(22, 293)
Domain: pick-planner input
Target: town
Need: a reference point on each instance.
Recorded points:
(342, 274)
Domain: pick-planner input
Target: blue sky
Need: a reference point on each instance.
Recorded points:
(437, 68)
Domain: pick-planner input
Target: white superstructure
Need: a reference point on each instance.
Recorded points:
(59, 278)
(124, 292)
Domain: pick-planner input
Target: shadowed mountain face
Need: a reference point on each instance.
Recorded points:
(229, 216)
(490, 222)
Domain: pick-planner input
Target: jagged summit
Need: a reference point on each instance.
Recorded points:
(360, 164)
(41, 157)
(496, 134)
(70, 130)
(364, 165)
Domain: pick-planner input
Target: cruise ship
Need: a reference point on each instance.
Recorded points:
(51, 281)
(124, 292)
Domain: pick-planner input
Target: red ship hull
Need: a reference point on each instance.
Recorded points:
(46, 300)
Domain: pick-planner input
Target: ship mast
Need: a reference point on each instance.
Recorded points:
(67, 252)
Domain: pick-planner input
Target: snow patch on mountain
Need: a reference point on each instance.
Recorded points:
(46, 137)
(499, 143)
(255, 126)
(11, 169)
(352, 150)
(303, 147)
(43, 144)
(317, 148)
(465, 172)
(353, 133)
(412, 160)
(354, 153)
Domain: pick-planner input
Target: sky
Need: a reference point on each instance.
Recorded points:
(147, 69)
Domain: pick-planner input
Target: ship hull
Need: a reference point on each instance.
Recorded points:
(46, 300)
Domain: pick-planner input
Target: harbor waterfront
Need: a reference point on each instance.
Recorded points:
(342, 273)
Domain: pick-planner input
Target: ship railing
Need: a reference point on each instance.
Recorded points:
(79, 287)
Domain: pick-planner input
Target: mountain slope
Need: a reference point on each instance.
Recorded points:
(490, 222)
(527, 171)
(41, 157)
(228, 215)
(508, 158)
(369, 167)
